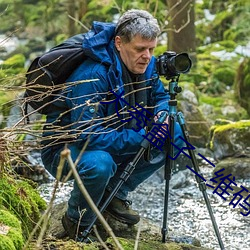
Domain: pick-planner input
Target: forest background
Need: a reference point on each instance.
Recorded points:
(214, 33)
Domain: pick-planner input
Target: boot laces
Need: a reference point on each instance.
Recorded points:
(127, 203)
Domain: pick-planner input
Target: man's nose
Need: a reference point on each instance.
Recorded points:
(146, 54)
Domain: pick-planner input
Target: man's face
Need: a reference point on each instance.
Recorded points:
(137, 53)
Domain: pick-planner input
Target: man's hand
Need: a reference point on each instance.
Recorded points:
(164, 123)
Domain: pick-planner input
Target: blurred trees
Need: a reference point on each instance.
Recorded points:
(181, 26)
(187, 23)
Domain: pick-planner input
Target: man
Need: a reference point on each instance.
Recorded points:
(122, 73)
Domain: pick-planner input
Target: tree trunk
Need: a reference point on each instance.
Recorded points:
(71, 6)
(181, 27)
(83, 7)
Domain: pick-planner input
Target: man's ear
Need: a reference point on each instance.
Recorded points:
(118, 42)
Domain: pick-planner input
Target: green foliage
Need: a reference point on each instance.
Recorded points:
(17, 61)
(229, 23)
(214, 101)
(12, 67)
(224, 75)
(219, 102)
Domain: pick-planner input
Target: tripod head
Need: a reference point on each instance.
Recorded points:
(174, 89)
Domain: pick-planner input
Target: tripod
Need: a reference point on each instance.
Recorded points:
(169, 163)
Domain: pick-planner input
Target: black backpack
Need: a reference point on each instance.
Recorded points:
(47, 74)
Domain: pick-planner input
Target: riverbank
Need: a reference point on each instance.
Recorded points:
(188, 215)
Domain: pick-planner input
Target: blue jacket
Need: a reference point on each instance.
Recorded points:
(87, 118)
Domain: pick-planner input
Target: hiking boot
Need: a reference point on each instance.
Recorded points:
(75, 231)
(121, 211)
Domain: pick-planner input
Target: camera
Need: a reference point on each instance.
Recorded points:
(171, 65)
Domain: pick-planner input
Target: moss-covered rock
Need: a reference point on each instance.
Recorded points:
(11, 237)
(225, 75)
(150, 235)
(22, 200)
(231, 139)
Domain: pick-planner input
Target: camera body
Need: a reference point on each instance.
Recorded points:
(171, 65)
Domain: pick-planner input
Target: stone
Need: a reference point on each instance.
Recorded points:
(231, 139)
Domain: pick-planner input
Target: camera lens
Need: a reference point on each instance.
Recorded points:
(182, 63)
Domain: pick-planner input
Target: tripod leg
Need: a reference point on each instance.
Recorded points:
(124, 176)
(201, 183)
(169, 164)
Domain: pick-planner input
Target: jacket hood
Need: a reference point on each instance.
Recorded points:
(98, 43)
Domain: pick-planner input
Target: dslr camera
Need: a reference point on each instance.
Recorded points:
(171, 65)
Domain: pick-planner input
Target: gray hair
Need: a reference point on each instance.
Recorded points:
(137, 22)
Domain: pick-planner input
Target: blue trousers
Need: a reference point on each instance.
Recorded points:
(100, 170)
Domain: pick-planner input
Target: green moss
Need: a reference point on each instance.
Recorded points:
(6, 243)
(9, 219)
(228, 45)
(225, 75)
(236, 125)
(13, 239)
(128, 244)
(21, 199)
(214, 101)
(220, 132)
(16, 61)
(16, 237)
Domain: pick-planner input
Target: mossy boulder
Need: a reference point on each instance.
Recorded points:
(197, 125)
(230, 139)
(22, 200)
(11, 237)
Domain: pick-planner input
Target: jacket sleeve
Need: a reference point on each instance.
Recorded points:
(89, 118)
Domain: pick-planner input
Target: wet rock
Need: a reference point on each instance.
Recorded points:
(197, 125)
(181, 180)
(238, 167)
(231, 139)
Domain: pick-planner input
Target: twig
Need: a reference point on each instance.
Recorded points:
(137, 236)
(77, 21)
(99, 238)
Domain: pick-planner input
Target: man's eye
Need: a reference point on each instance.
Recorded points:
(139, 50)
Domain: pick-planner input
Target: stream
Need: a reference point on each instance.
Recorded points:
(187, 211)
